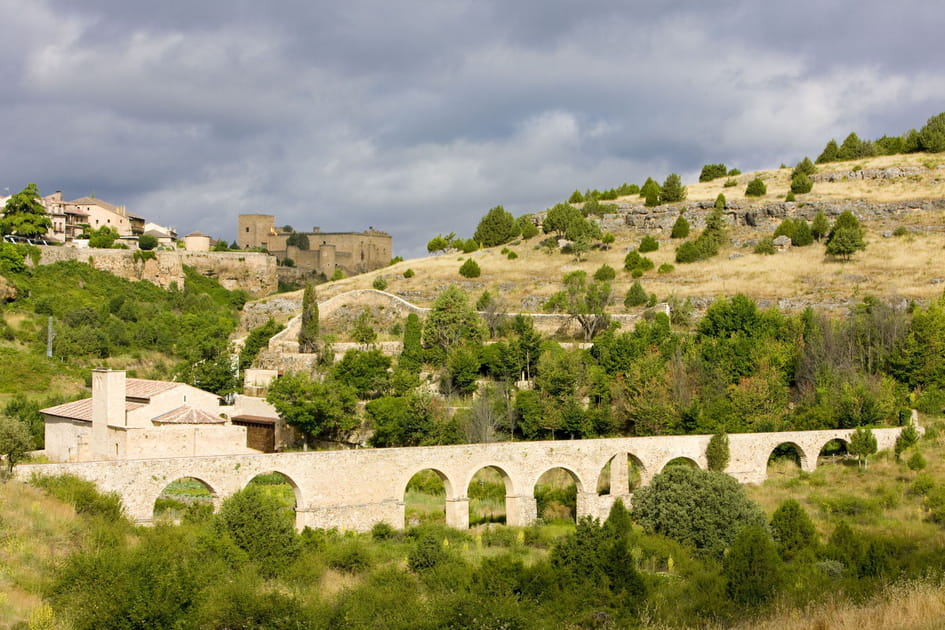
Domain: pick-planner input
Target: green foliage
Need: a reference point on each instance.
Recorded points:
(712, 171)
(15, 443)
(672, 189)
(831, 153)
(717, 452)
(756, 188)
(12, 257)
(308, 333)
(801, 183)
(648, 244)
(363, 330)
(797, 230)
(792, 530)
(451, 320)
(766, 247)
(147, 242)
(24, 215)
(83, 495)
(298, 239)
(576, 197)
(709, 241)
(820, 227)
(633, 261)
(846, 236)
(257, 339)
(496, 228)
(650, 192)
(380, 283)
(680, 227)
(932, 135)
(470, 269)
(752, 567)
(636, 296)
(365, 371)
(604, 273)
(916, 462)
(259, 524)
(730, 183)
(526, 227)
(437, 244)
(103, 238)
(862, 444)
(320, 409)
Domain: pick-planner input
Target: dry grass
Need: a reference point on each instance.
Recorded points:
(35, 532)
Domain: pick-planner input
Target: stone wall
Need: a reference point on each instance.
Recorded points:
(353, 489)
(252, 272)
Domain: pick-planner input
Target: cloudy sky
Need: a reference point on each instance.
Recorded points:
(416, 117)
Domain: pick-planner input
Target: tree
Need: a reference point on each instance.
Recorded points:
(412, 355)
(576, 197)
(932, 135)
(470, 269)
(438, 244)
(695, 507)
(526, 227)
(451, 320)
(24, 215)
(257, 523)
(820, 226)
(756, 188)
(15, 442)
(831, 153)
(672, 190)
(496, 228)
(793, 530)
(752, 567)
(103, 238)
(801, 183)
(717, 452)
(587, 302)
(363, 332)
(712, 171)
(319, 409)
(862, 445)
(650, 192)
(648, 244)
(636, 295)
(147, 242)
(308, 333)
(297, 239)
(805, 166)
(560, 217)
(846, 236)
(680, 227)
(365, 371)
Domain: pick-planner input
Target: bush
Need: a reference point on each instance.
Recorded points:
(901, 231)
(380, 283)
(258, 523)
(496, 228)
(147, 242)
(409, 273)
(83, 495)
(717, 452)
(792, 529)
(752, 567)
(730, 183)
(512, 256)
(916, 462)
(470, 269)
(680, 228)
(576, 197)
(756, 188)
(636, 296)
(666, 268)
(672, 189)
(605, 273)
(633, 261)
(765, 246)
(712, 171)
(695, 507)
(790, 197)
(801, 183)
(648, 244)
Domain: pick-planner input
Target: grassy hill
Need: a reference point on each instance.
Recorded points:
(905, 266)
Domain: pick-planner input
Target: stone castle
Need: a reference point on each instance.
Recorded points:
(321, 252)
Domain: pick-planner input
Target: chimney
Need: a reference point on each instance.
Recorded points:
(108, 408)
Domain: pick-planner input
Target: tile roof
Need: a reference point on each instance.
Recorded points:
(254, 419)
(82, 409)
(188, 415)
(144, 388)
(92, 201)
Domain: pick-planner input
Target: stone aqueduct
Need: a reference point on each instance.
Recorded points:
(353, 489)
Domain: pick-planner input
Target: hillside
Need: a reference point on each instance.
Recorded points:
(897, 191)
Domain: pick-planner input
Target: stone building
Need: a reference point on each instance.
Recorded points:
(130, 418)
(322, 252)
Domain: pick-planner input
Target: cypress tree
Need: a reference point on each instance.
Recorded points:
(308, 334)
(412, 355)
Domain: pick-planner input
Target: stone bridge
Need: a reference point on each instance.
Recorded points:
(353, 489)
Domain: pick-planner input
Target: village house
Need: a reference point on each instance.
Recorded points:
(131, 418)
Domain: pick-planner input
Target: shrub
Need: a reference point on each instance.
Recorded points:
(576, 197)
(765, 246)
(426, 554)
(470, 269)
(752, 567)
(672, 189)
(756, 188)
(916, 462)
(712, 171)
(717, 452)
(633, 261)
(901, 231)
(680, 228)
(380, 283)
(147, 242)
(636, 296)
(648, 244)
(695, 507)
(801, 183)
(496, 228)
(605, 273)
(666, 268)
(512, 256)
(790, 196)
(792, 529)
(83, 495)
(408, 273)
(259, 524)
(730, 183)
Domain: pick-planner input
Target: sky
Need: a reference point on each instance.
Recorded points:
(416, 117)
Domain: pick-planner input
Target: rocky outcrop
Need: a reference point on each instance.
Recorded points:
(252, 272)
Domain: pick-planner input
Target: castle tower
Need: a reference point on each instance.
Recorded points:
(254, 230)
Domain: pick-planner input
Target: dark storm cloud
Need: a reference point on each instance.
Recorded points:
(416, 116)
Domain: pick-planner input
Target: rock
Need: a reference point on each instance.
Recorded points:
(783, 243)
(7, 290)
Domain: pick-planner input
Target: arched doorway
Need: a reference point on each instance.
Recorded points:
(187, 498)
(556, 495)
(834, 452)
(487, 491)
(611, 482)
(425, 498)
